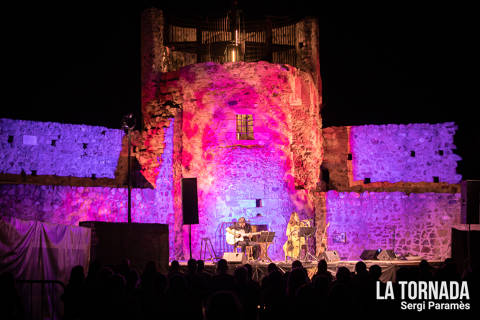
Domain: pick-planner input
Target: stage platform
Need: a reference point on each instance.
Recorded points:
(389, 267)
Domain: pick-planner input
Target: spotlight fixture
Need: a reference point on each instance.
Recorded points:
(128, 122)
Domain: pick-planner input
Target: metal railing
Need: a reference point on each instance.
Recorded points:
(272, 39)
(41, 299)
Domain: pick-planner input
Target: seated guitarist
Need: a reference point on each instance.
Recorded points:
(238, 229)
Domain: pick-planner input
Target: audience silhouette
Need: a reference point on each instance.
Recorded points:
(120, 292)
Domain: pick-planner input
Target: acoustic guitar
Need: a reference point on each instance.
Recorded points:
(235, 236)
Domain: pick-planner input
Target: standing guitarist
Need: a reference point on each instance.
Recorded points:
(238, 230)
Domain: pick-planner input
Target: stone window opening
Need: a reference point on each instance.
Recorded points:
(245, 127)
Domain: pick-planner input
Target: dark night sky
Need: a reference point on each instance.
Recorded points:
(80, 63)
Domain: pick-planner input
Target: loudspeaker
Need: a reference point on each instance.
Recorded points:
(330, 256)
(369, 255)
(189, 201)
(470, 207)
(462, 240)
(235, 257)
(387, 255)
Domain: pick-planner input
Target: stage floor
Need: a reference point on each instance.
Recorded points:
(389, 267)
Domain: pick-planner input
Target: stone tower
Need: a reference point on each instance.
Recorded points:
(249, 131)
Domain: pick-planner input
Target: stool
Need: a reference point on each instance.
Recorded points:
(206, 244)
(249, 252)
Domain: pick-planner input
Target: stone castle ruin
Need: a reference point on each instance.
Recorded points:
(240, 110)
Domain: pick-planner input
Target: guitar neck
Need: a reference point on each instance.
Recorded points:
(244, 233)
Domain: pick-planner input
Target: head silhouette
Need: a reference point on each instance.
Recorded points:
(360, 268)
(222, 266)
(200, 265)
(375, 272)
(77, 275)
(297, 264)
(192, 265)
(174, 266)
(322, 266)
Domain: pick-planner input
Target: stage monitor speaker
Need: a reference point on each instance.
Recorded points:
(330, 256)
(189, 201)
(386, 255)
(235, 257)
(464, 238)
(470, 205)
(369, 255)
(139, 242)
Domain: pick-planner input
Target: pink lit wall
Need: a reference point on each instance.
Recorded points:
(70, 205)
(418, 224)
(280, 166)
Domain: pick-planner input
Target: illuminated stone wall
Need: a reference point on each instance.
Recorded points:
(401, 161)
(71, 204)
(418, 224)
(189, 130)
(280, 166)
(51, 148)
(404, 153)
(395, 157)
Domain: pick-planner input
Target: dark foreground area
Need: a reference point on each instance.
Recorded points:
(121, 292)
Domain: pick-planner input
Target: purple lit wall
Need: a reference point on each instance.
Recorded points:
(419, 224)
(70, 205)
(58, 149)
(164, 193)
(404, 153)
